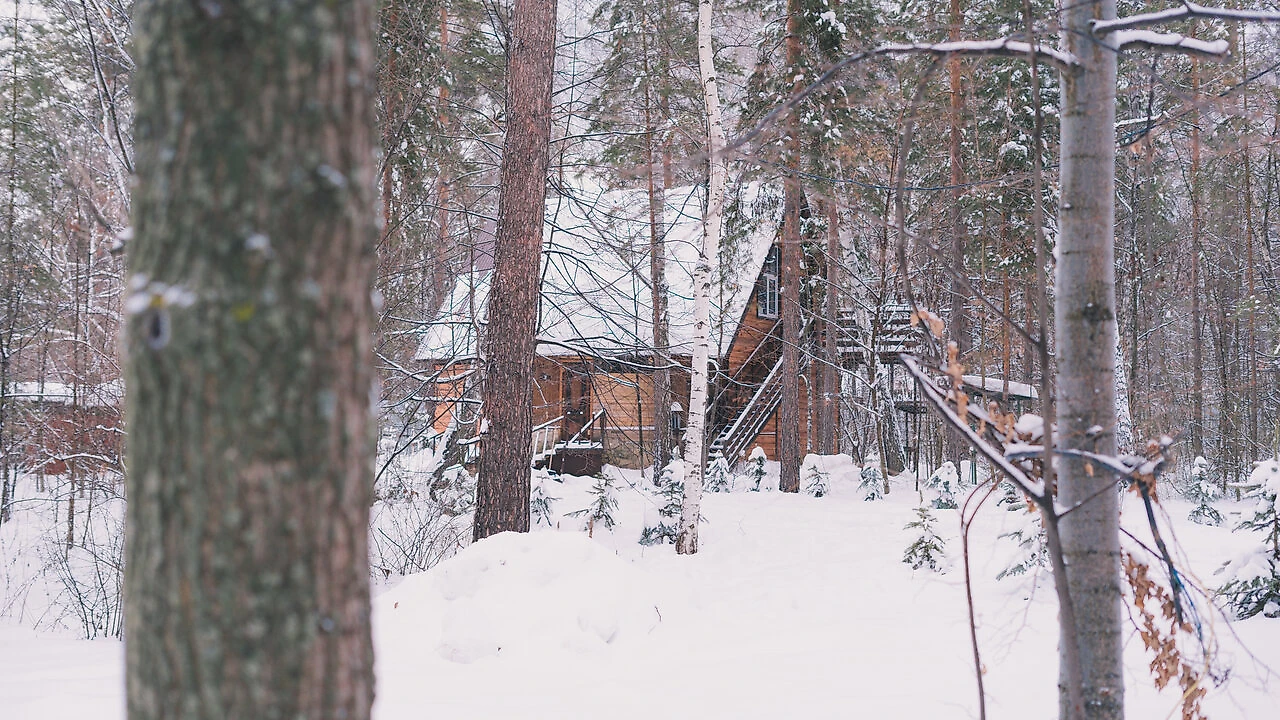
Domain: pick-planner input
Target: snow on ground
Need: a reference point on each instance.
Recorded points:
(795, 607)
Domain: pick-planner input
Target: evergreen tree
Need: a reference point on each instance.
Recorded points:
(604, 503)
(927, 550)
(670, 499)
(945, 482)
(1253, 581)
(871, 482)
(1203, 490)
(541, 510)
(817, 481)
(755, 467)
(719, 479)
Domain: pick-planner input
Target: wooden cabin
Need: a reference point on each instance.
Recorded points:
(593, 374)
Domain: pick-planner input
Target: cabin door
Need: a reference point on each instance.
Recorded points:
(576, 392)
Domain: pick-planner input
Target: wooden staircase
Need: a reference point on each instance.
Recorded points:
(747, 424)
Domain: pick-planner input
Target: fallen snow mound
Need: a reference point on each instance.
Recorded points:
(517, 593)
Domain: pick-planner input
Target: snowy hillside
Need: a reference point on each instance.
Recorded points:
(795, 606)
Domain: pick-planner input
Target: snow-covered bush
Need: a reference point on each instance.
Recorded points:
(755, 467)
(817, 482)
(1253, 580)
(1011, 498)
(541, 510)
(944, 481)
(1031, 550)
(1203, 490)
(928, 549)
(90, 573)
(669, 497)
(718, 477)
(604, 502)
(872, 482)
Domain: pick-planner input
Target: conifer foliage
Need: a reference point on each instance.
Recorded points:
(1253, 579)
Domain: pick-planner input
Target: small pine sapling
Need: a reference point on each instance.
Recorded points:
(1011, 498)
(817, 482)
(1253, 579)
(670, 499)
(927, 550)
(944, 481)
(540, 503)
(604, 502)
(1203, 490)
(1032, 551)
(872, 482)
(755, 467)
(718, 478)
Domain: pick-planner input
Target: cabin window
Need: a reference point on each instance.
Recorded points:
(767, 291)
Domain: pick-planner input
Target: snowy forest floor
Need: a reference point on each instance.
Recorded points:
(795, 606)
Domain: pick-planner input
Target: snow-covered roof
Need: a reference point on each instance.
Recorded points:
(97, 395)
(595, 278)
(995, 386)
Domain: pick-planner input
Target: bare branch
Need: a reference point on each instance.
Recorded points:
(1187, 11)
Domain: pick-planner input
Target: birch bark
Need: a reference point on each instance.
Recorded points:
(687, 540)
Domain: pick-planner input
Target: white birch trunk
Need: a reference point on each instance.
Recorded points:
(687, 541)
(1125, 441)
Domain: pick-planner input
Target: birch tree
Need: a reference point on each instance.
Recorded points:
(687, 541)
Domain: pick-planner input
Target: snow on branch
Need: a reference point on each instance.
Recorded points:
(1187, 11)
(1004, 47)
(1170, 42)
(1030, 486)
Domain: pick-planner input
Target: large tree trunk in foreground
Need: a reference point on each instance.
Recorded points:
(1086, 332)
(687, 540)
(502, 499)
(249, 363)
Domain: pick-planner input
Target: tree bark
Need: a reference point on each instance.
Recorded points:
(656, 187)
(502, 497)
(1086, 340)
(828, 419)
(687, 540)
(788, 423)
(249, 367)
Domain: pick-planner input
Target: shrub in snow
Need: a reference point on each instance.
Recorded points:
(718, 477)
(669, 499)
(540, 501)
(454, 490)
(872, 482)
(1031, 550)
(1010, 497)
(927, 550)
(944, 481)
(816, 480)
(1253, 580)
(755, 467)
(604, 502)
(1203, 490)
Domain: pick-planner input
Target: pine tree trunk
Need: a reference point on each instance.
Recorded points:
(502, 495)
(694, 434)
(657, 293)
(249, 366)
(789, 408)
(1086, 340)
(828, 420)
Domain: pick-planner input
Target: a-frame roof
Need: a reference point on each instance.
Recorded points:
(596, 299)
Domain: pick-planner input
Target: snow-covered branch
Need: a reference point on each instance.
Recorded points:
(1028, 485)
(1187, 11)
(1004, 47)
(1170, 42)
